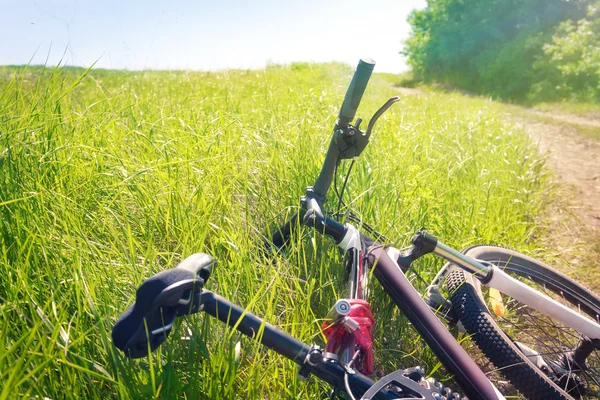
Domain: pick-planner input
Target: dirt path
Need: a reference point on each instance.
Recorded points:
(573, 219)
(573, 229)
(575, 160)
(569, 118)
(409, 91)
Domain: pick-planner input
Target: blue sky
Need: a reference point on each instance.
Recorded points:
(203, 35)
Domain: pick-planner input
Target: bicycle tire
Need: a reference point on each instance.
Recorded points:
(469, 307)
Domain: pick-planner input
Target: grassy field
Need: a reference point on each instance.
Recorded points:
(108, 177)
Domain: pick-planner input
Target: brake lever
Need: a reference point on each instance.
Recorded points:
(354, 141)
(379, 113)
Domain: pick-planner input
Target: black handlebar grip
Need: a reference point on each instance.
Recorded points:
(355, 91)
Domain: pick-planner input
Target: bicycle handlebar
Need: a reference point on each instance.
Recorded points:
(159, 301)
(346, 142)
(355, 91)
(328, 169)
(352, 99)
(179, 291)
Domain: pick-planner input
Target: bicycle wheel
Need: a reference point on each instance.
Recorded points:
(526, 346)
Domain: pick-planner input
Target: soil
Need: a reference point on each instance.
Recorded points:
(570, 118)
(573, 218)
(575, 161)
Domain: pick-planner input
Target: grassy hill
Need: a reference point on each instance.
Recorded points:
(107, 177)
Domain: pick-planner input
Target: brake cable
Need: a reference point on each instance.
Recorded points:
(346, 382)
(350, 215)
(340, 195)
(354, 218)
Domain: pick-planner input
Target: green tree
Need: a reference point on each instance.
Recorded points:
(572, 59)
(487, 46)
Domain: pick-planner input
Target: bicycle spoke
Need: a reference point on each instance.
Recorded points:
(550, 340)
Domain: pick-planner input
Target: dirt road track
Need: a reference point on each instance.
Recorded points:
(572, 231)
(575, 161)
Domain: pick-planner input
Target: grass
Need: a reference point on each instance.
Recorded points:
(581, 118)
(107, 177)
(405, 79)
(574, 122)
(589, 110)
(589, 131)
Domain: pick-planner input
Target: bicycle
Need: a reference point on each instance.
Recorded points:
(346, 361)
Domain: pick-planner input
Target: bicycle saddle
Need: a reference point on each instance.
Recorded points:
(158, 301)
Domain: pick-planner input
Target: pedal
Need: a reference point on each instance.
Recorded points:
(534, 357)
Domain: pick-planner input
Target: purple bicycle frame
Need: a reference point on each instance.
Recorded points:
(453, 356)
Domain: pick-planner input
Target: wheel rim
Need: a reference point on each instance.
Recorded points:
(548, 338)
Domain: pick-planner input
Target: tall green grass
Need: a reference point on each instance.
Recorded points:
(107, 177)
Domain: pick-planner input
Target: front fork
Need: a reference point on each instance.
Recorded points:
(350, 322)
